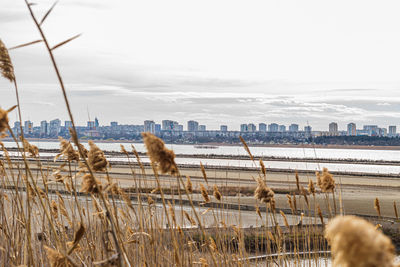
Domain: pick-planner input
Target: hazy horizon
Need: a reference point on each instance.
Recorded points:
(217, 62)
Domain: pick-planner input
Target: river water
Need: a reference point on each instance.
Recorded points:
(297, 152)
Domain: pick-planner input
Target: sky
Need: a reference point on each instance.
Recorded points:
(214, 61)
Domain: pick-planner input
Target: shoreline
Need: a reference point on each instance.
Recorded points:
(361, 147)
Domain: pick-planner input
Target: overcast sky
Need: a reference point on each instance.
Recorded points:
(218, 62)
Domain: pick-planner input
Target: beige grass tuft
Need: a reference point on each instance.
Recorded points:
(96, 158)
(204, 193)
(325, 181)
(217, 194)
(90, 184)
(6, 66)
(159, 154)
(356, 243)
(263, 193)
(4, 119)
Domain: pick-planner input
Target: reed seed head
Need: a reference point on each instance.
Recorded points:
(263, 193)
(377, 206)
(31, 149)
(159, 154)
(54, 209)
(217, 194)
(203, 171)
(204, 193)
(311, 187)
(325, 181)
(189, 218)
(263, 169)
(189, 185)
(56, 259)
(6, 66)
(4, 119)
(96, 158)
(90, 184)
(356, 243)
(296, 175)
(67, 151)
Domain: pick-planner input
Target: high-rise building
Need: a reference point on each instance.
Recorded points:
(244, 128)
(382, 132)
(193, 126)
(333, 128)
(55, 127)
(67, 124)
(282, 128)
(44, 128)
(293, 127)
(372, 130)
(17, 128)
(273, 127)
(251, 127)
(307, 131)
(28, 127)
(91, 125)
(150, 126)
(262, 127)
(96, 123)
(392, 130)
(157, 128)
(168, 125)
(178, 128)
(202, 128)
(351, 129)
(224, 128)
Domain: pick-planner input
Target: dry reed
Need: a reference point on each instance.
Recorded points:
(6, 66)
(356, 243)
(159, 154)
(263, 193)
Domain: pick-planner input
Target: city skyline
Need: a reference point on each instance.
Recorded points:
(192, 125)
(265, 67)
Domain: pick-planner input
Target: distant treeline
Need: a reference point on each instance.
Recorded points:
(357, 140)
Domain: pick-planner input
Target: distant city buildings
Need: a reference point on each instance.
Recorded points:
(251, 128)
(372, 130)
(273, 127)
(392, 131)
(170, 129)
(293, 128)
(150, 126)
(28, 127)
(55, 127)
(351, 129)
(262, 127)
(193, 126)
(333, 128)
(243, 128)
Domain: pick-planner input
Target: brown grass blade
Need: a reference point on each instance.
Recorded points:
(12, 108)
(48, 13)
(26, 44)
(65, 42)
(246, 147)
